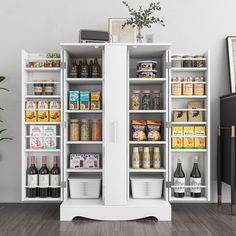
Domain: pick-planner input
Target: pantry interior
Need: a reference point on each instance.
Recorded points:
(111, 187)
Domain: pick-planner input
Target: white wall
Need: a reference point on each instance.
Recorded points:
(38, 26)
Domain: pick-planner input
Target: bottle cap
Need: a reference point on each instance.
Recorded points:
(179, 159)
(32, 160)
(43, 160)
(156, 149)
(195, 159)
(135, 149)
(146, 149)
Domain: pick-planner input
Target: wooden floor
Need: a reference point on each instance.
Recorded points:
(188, 219)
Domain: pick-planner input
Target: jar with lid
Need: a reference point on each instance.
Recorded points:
(38, 87)
(146, 158)
(199, 61)
(188, 61)
(177, 61)
(135, 100)
(156, 100)
(135, 158)
(74, 130)
(146, 100)
(85, 130)
(96, 130)
(49, 87)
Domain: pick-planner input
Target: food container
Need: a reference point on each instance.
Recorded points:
(36, 133)
(96, 130)
(188, 61)
(188, 141)
(138, 130)
(85, 130)
(73, 100)
(176, 61)
(200, 142)
(95, 100)
(146, 100)
(156, 99)
(38, 87)
(146, 65)
(199, 87)
(85, 186)
(31, 113)
(176, 87)
(188, 86)
(177, 140)
(195, 115)
(49, 88)
(180, 116)
(147, 74)
(56, 63)
(136, 100)
(199, 61)
(84, 100)
(148, 186)
(84, 160)
(54, 114)
(43, 112)
(153, 130)
(49, 140)
(74, 130)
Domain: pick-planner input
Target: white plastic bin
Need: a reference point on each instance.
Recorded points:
(146, 187)
(85, 186)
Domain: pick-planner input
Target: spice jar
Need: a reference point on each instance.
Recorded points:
(96, 130)
(146, 100)
(176, 61)
(49, 87)
(38, 87)
(74, 130)
(135, 100)
(156, 100)
(176, 86)
(188, 61)
(84, 130)
(188, 86)
(199, 61)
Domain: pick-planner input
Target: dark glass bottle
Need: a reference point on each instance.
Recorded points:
(73, 71)
(84, 69)
(79, 66)
(43, 179)
(32, 179)
(55, 179)
(195, 179)
(90, 68)
(96, 69)
(179, 180)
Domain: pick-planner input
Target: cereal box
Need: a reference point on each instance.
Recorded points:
(73, 100)
(177, 140)
(43, 111)
(36, 141)
(201, 141)
(49, 140)
(95, 105)
(188, 142)
(84, 100)
(54, 115)
(31, 113)
(95, 96)
(195, 116)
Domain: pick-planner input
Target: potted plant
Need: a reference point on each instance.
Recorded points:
(143, 18)
(2, 78)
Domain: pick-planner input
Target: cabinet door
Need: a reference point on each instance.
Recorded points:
(115, 141)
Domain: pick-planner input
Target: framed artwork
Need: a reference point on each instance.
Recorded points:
(119, 34)
(231, 49)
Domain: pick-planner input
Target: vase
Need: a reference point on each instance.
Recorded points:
(139, 36)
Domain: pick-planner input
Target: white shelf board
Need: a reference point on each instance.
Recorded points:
(43, 69)
(42, 96)
(82, 202)
(188, 199)
(183, 82)
(190, 136)
(147, 142)
(69, 170)
(28, 136)
(183, 109)
(147, 202)
(188, 97)
(85, 81)
(42, 150)
(42, 123)
(151, 170)
(84, 111)
(38, 199)
(147, 111)
(42, 59)
(188, 150)
(189, 123)
(188, 186)
(84, 142)
(42, 82)
(42, 186)
(189, 69)
(147, 81)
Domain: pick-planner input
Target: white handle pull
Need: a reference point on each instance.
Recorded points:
(114, 128)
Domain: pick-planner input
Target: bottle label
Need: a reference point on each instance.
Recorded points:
(195, 182)
(43, 180)
(32, 180)
(55, 180)
(179, 182)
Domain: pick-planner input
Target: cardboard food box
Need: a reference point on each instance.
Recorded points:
(180, 116)
(87, 160)
(84, 100)
(201, 141)
(73, 100)
(31, 113)
(36, 141)
(49, 140)
(188, 87)
(54, 115)
(189, 142)
(43, 107)
(195, 116)
(199, 87)
(95, 105)
(177, 140)
(95, 96)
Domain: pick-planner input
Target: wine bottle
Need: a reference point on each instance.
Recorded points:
(84, 69)
(43, 179)
(179, 180)
(195, 179)
(96, 70)
(32, 179)
(55, 179)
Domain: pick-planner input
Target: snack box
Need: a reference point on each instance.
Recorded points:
(54, 115)
(84, 100)
(153, 129)
(36, 142)
(138, 130)
(31, 113)
(84, 160)
(73, 100)
(95, 96)
(180, 116)
(195, 116)
(43, 107)
(95, 105)
(189, 142)
(201, 141)
(50, 140)
(177, 142)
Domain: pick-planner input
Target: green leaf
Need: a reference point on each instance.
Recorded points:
(5, 138)
(1, 131)
(2, 78)
(5, 89)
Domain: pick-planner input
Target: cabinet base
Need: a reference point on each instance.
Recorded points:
(135, 209)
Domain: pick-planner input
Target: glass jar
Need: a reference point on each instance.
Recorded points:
(135, 100)
(156, 100)
(135, 158)
(38, 87)
(188, 61)
(176, 61)
(146, 100)
(49, 88)
(96, 130)
(85, 130)
(74, 130)
(199, 61)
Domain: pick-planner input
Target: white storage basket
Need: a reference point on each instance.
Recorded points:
(85, 186)
(146, 187)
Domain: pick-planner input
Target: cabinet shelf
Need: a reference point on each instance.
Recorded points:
(188, 69)
(42, 150)
(188, 199)
(147, 111)
(141, 81)
(84, 142)
(151, 170)
(43, 69)
(42, 123)
(85, 81)
(147, 142)
(38, 199)
(188, 150)
(189, 123)
(84, 111)
(182, 109)
(188, 97)
(42, 96)
(69, 170)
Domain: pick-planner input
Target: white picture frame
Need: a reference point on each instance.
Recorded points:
(231, 49)
(121, 35)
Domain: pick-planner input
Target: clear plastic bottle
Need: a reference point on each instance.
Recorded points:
(146, 158)
(156, 158)
(135, 158)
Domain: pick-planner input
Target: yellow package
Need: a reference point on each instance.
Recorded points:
(31, 113)
(200, 142)
(189, 142)
(54, 115)
(177, 140)
(43, 111)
